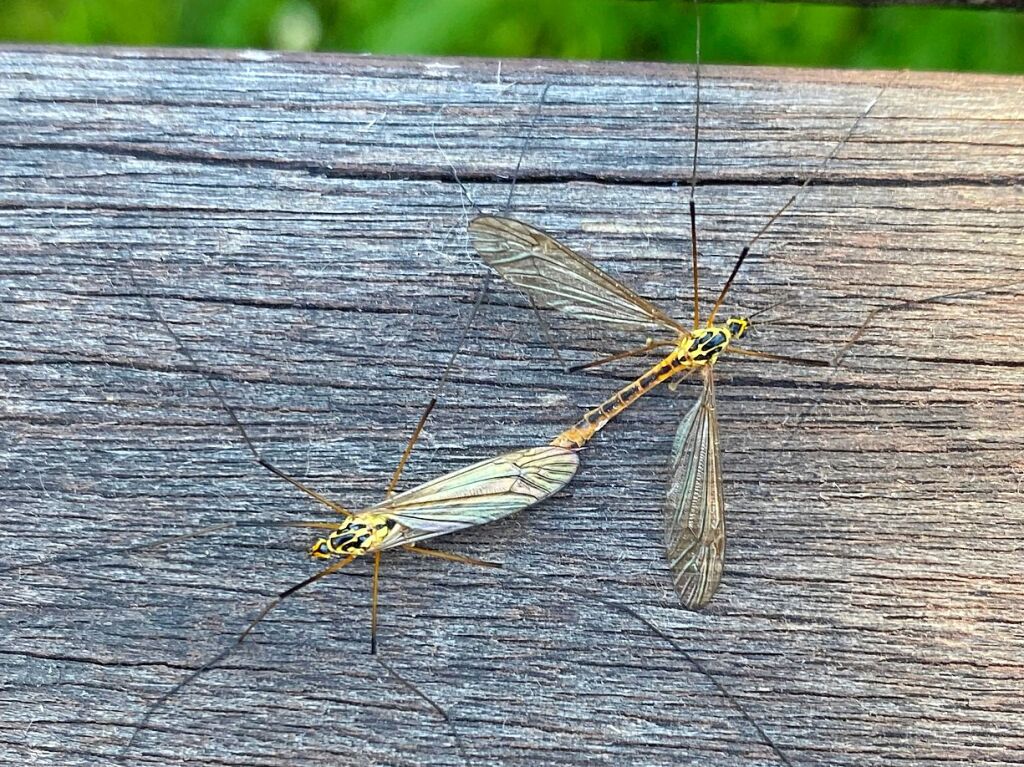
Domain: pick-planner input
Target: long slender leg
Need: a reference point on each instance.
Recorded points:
(544, 330)
(640, 350)
(526, 143)
(541, 322)
(778, 357)
(545, 333)
(693, 178)
(159, 702)
(307, 490)
(230, 411)
(408, 448)
(437, 392)
(794, 197)
(768, 308)
(373, 603)
(407, 452)
(448, 556)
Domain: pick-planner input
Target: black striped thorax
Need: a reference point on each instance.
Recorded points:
(355, 537)
(704, 345)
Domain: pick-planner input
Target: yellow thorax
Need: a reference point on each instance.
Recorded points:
(354, 537)
(704, 345)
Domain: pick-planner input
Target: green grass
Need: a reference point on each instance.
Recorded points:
(801, 35)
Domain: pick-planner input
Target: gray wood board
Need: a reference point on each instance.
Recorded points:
(297, 221)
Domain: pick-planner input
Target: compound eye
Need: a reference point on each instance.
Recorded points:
(321, 550)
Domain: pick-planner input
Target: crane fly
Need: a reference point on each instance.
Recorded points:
(556, 277)
(475, 495)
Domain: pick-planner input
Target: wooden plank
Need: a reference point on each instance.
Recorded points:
(297, 218)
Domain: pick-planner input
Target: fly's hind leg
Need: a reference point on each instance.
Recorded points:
(448, 556)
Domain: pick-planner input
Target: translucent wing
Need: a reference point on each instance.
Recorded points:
(695, 507)
(480, 493)
(556, 277)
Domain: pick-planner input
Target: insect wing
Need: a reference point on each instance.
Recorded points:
(556, 277)
(695, 506)
(477, 494)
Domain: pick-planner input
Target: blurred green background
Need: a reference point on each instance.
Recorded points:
(790, 34)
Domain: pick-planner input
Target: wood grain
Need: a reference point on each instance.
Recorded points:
(297, 221)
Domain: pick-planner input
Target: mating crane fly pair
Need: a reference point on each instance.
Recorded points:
(556, 277)
(484, 492)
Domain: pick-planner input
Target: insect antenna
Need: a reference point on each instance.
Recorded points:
(794, 197)
(774, 320)
(806, 361)
(766, 309)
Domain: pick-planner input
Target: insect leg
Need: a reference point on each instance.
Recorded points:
(525, 144)
(437, 392)
(693, 178)
(448, 556)
(795, 196)
(230, 411)
(414, 437)
(640, 350)
(373, 603)
(733, 349)
(545, 331)
(159, 702)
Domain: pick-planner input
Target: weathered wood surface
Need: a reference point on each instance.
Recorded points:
(297, 219)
